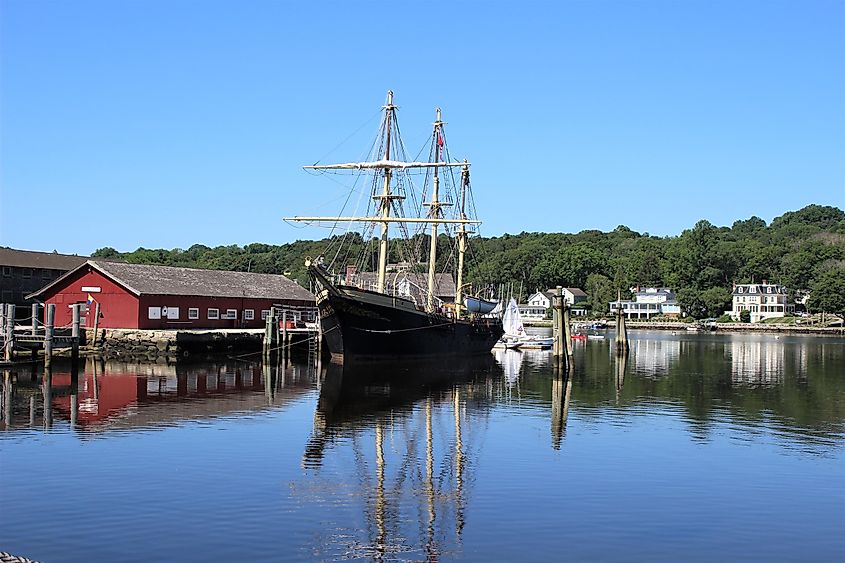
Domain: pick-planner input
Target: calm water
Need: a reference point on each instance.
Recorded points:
(699, 447)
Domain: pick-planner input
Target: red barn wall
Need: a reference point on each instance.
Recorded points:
(118, 307)
(184, 302)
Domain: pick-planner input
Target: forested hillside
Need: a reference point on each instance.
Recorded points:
(802, 249)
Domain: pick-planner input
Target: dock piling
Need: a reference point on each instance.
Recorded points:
(9, 341)
(621, 333)
(559, 330)
(74, 354)
(96, 321)
(34, 329)
(50, 313)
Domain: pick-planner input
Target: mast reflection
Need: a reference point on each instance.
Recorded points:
(401, 408)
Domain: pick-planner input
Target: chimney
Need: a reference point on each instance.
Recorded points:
(734, 284)
(351, 270)
(765, 282)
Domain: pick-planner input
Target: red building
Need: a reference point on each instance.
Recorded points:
(163, 297)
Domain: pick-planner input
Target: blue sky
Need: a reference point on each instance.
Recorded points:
(168, 123)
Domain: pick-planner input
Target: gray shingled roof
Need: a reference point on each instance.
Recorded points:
(33, 259)
(145, 279)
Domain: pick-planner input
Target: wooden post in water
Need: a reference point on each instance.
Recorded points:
(567, 329)
(96, 321)
(10, 332)
(558, 329)
(50, 313)
(621, 329)
(34, 331)
(74, 351)
(284, 337)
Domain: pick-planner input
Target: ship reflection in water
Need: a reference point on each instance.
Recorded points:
(402, 428)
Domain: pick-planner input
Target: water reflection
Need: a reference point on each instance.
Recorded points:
(389, 421)
(426, 461)
(121, 396)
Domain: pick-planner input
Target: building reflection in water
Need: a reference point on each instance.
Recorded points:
(115, 395)
(654, 357)
(756, 362)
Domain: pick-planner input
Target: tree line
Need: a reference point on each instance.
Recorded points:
(803, 250)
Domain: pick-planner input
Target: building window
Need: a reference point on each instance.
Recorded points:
(249, 314)
(264, 314)
(193, 313)
(7, 271)
(154, 313)
(27, 273)
(231, 314)
(45, 274)
(213, 314)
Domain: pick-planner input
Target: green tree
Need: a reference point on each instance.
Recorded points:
(827, 294)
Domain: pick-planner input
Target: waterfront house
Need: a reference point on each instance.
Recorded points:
(648, 302)
(761, 300)
(23, 272)
(540, 302)
(164, 297)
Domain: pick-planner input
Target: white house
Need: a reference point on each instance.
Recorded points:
(539, 303)
(761, 300)
(649, 302)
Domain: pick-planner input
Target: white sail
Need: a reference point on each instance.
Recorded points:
(512, 320)
(381, 164)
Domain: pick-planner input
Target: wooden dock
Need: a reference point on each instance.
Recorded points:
(38, 335)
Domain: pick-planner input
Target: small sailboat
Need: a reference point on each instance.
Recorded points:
(514, 332)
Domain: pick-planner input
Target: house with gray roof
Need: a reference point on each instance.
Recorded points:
(156, 297)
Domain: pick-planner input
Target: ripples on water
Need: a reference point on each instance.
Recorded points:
(696, 447)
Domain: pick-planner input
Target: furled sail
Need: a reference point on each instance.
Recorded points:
(381, 164)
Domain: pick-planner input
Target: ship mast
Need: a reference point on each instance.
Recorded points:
(385, 196)
(434, 210)
(462, 240)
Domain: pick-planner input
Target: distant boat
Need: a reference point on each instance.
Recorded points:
(479, 306)
(515, 335)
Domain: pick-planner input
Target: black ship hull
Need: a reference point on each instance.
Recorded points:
(365, 325)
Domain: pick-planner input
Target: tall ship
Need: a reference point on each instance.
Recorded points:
(400, 310)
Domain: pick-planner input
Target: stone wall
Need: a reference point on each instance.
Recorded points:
(153, 344)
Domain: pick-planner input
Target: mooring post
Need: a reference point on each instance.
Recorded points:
(96, 321)
(558, 344)
(567, 329)
(10, 332)
(285, 337)
(74, 350)
(621, 329)
(34, 329)
(50, 312)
